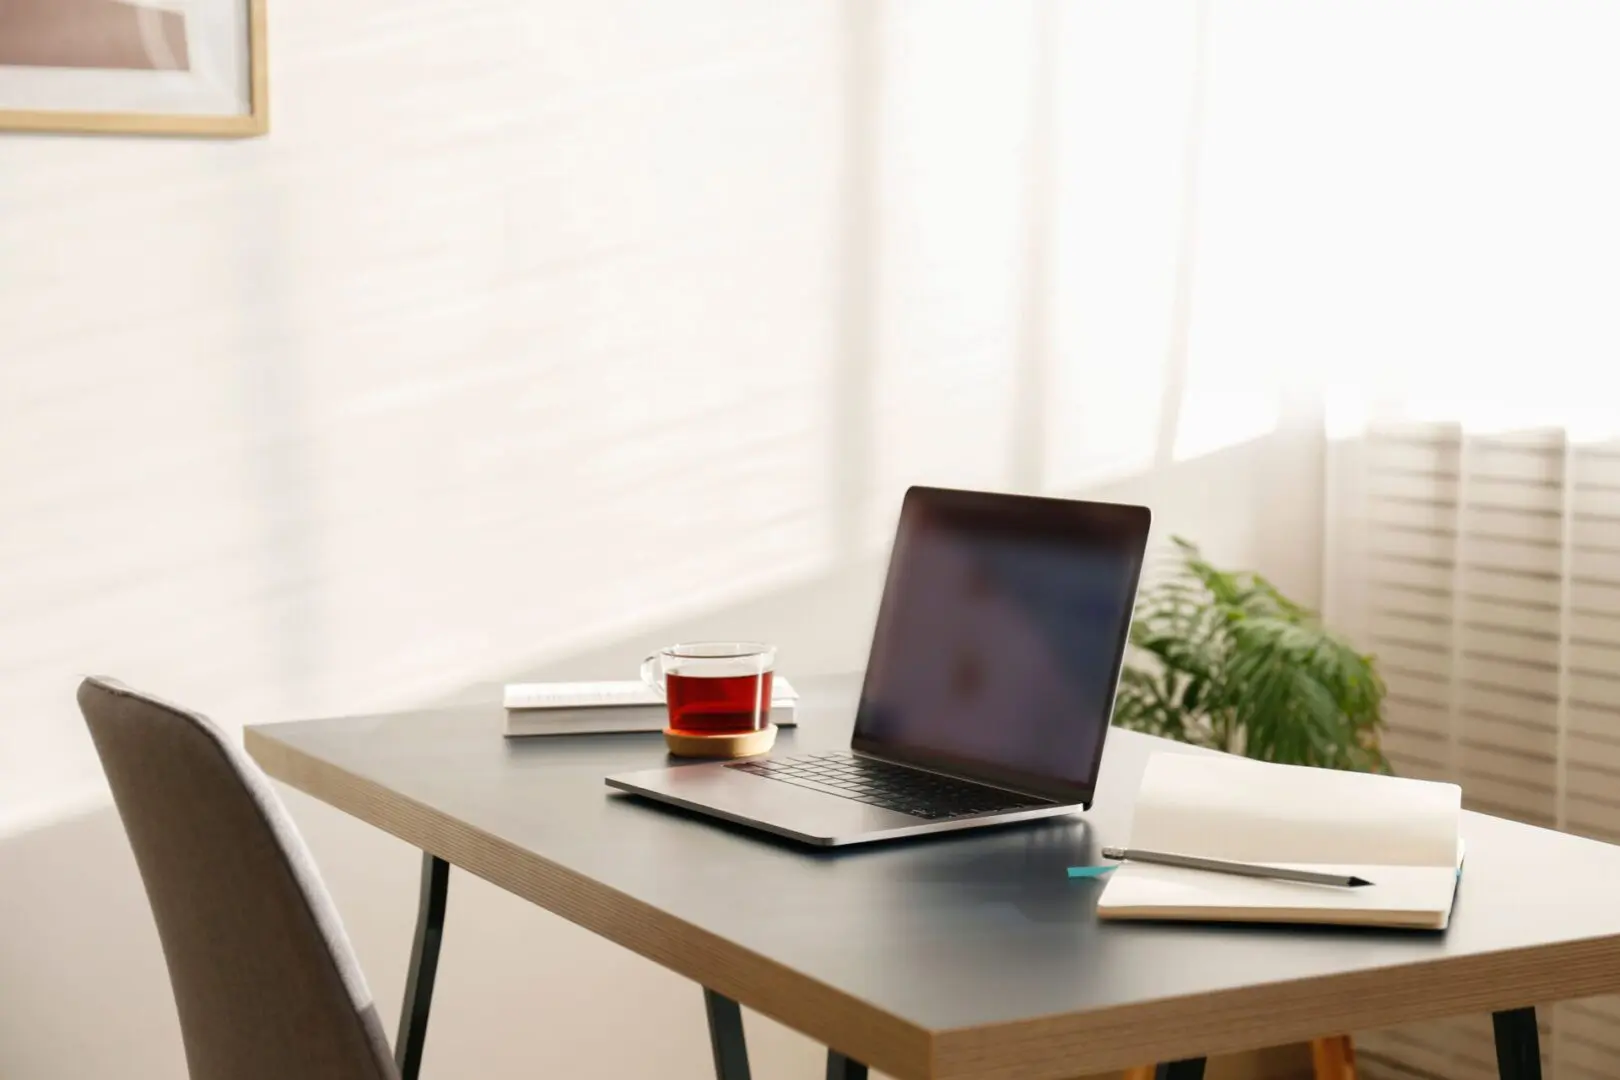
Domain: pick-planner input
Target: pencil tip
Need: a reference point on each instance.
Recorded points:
(1355, 881)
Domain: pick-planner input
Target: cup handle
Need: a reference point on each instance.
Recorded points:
(651, 675)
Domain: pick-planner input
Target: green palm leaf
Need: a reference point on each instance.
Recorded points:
(1224, 659)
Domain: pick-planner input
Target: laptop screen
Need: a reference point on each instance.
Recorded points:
(1000, 637)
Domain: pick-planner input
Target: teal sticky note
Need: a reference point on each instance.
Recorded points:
(1088, 871)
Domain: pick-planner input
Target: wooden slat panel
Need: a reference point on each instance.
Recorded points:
(1595, 532)
(1573, 1073)
(1428, 748)
(1497, 504)
(1420, 718)
(1597, 503)
(1505, 614)
(1597, 785)
(1384, 597)
(1536, 776)
(1427, 1052)
(1535, 647)
(1474, 1046)
(1528, 493)
(1546, 439)
(1602, 1011)
(1400, 453)
(1503, 521)
(1402, 627)
(1598, 721)
(1429, 660)
(1411, 484)
(1589, 594)
(1528, 681)
(1597, 695)
(1411, 513)
(1596, 751)
(1605, 526)
(1596, 466)
(1598, 658)
(1593, 627)
(1431, 575)
(1601, 564)
(1484, 553)
(1429, 544)
(1520, 586)
(1416, 714)
(1415, 684)
(1505, 798)
(1515, 553)
(1588, 1042)
(1404, 428)
(1515, 693)
(1455, 1047)
(1520, 740)
(1532, 460)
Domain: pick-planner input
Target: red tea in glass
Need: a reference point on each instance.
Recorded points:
(718, 704)
(714, 687)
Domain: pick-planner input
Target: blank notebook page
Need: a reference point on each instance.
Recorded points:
(1400, 834)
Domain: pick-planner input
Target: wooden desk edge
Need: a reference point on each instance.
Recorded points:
(1050, 1047)
(848, 1024)
(1274, 1014)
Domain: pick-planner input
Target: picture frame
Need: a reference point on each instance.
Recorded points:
(135, 67)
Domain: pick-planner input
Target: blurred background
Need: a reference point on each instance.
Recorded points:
(539, 333)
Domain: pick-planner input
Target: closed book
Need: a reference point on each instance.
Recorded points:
(1402, 835)
(593, 708)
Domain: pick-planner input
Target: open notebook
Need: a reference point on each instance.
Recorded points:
(1399, 834)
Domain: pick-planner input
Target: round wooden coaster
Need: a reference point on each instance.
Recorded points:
(746, 744)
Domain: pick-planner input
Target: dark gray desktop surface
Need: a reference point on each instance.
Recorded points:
(967, 955)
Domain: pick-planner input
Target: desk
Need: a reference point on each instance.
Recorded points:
(958, 957)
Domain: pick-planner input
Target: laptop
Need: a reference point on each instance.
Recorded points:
(989, 686)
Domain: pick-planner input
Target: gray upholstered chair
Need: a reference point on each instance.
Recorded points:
(266, 984)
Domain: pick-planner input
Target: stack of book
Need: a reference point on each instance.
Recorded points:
(593, 708)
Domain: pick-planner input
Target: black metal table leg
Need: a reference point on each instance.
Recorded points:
(1518, 1044)
(413, 1015)
(840, 1067)
(1187, 1069)
(726, 1036)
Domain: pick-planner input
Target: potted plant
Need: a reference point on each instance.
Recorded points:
(1222, 659)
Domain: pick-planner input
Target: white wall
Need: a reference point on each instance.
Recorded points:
(535, 333)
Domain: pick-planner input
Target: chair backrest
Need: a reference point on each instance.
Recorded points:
(264, 979)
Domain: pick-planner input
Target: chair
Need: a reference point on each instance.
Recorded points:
(263, 976)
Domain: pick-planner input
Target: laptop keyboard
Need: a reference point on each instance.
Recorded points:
(893, 787)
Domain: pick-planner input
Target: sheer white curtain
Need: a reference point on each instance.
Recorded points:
(1410, 212)
(604, 317)
(514, 338)
(1031, 178)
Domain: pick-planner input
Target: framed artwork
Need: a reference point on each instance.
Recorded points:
(147, 67)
